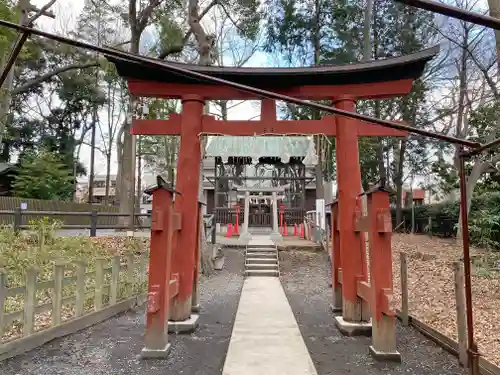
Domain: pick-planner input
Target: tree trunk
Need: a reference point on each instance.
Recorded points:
(205, 43)
(494, 6)
(139, 176)
(461, 127)
(119, 155)
(380, 150)
(127, 176)
(367, 54)
(399, 181)
(108, 177)
(472, 179)
(316, 41)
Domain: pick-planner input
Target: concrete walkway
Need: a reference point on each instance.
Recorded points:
(266, 338)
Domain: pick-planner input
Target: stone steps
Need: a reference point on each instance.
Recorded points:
(261, 261)
(263, 266)
(259, 255)
(260, 250)
(262, 273)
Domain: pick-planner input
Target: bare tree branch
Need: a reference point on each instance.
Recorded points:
(145, 14)
(43, 12)
(44, 77)
(229, 16)
(178, 48)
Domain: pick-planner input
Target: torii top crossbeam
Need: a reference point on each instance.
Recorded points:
(376, 79)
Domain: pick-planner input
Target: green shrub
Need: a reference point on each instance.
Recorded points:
(484, 219)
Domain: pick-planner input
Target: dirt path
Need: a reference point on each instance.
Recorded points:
(111, 347)
(305, 280)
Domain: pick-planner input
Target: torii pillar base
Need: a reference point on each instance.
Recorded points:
(353, 328)
(385, 356)
(335, 309)
(147, 353)
(184, 326)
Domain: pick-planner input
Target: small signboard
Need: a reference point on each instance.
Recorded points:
(24, 206)
(320, 213)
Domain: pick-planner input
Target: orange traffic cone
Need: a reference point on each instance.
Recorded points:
(285, 229)
(229, 232)
(302, 234)
(295, 230)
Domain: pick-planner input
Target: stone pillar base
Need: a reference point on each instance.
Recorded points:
(184, 326)
(245, 238)
(335, 309)
(195, 308)
(276, 237)
(353, 328)
(147, 353)
(385, 356)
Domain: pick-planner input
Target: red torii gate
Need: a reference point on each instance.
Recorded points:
(343, 85)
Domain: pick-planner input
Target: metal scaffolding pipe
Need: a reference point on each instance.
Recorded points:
(455, 12)
(471, 344)
(254, 90)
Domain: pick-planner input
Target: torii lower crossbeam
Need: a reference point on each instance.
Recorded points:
(211, 126)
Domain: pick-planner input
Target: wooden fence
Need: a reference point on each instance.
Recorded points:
(258, 219)
(8, 205)
(456, 347)
(317, 234)
(76, 296)
(92, 221)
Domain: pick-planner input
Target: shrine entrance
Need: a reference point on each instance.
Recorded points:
(359, 298)
(257, 163)
(260, 214)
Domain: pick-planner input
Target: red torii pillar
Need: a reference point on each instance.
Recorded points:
(162, 285)
(184, 254)
(355, 312)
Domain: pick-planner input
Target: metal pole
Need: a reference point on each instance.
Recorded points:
(455, 12)
(472, 346)
(484, 147)
(13, 57)
(412, 215)
(254, 90)
(24, 7)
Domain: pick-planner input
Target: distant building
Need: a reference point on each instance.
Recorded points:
(259, 163)
(99, 187)
(418, 196)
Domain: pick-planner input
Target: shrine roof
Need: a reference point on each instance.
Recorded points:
(269, 146)
(385, 70)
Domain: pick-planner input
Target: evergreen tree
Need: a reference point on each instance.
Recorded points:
(43, 175)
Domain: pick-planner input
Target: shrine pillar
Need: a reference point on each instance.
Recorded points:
(355, 311)
(245, 235)
(156, 335)
(275, 235)
(186, 202)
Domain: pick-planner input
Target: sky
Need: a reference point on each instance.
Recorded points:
(67, 11)
(66, 14)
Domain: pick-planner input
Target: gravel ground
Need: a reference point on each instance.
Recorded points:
(111, 347)
(305, 280)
